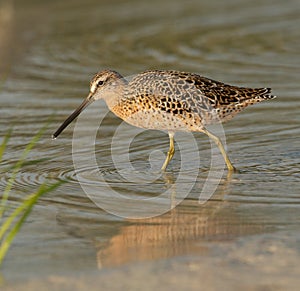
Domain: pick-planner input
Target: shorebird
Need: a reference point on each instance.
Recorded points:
(171, 101)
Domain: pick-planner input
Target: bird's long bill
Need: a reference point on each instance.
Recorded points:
(81, 107)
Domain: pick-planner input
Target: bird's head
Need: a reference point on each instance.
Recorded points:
(107, 85)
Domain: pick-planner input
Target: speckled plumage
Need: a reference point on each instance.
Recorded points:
(170, 100)
(182, 101)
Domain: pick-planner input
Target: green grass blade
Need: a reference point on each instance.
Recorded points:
(4, 143)
(24, 210)
(17, 167)
(26, 203)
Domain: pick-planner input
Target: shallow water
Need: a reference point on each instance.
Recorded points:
(250, 223)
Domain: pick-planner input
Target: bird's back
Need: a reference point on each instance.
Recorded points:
(191, 98)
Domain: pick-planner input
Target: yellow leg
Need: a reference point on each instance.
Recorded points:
(222, 150)
(170, 152)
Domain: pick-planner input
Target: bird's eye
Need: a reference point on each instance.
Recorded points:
(100, 83)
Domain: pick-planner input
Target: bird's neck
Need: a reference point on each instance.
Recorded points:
(115, 94)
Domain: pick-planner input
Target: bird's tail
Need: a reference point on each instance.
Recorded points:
(262, 94)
